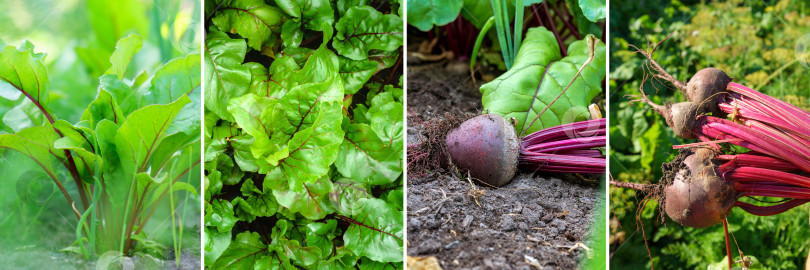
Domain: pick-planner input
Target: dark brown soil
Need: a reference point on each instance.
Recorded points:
(534, 217)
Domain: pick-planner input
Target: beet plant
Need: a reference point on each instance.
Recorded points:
(131, 159)
(303, 135)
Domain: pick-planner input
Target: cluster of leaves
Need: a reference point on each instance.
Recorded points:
(303, 160)
(133, 146)
(722, 35)
(522, 94)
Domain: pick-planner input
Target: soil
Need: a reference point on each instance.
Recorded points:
(532, 222)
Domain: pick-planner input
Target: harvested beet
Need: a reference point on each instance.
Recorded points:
(704, 87)
(696, 195)
(487, 146)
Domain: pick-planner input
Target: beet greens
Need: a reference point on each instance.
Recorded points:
(304, 135)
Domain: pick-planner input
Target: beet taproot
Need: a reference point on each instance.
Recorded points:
(703, 87)
(696, 195)
(487, 146)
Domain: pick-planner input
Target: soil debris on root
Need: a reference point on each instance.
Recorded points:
(537, 216)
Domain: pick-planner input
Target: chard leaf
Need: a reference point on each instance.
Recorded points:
(225, 75)
(254, 114)
(594, 10)
(215, 243)
(248, 252)
(513, 93)
(385, 117)
(221, 215)
(365, 158)
(257, 205)
(252, 19)
(356, 73)
(128, 100)
(363, 29)
(315, 13)
(312, 203)
(423, 14)
(180, 76)
(103, 107)
(125, 49)
(23, 116)
(142, 132)
(378, 235)
(37, 144)
(241, 152)
(21, 70)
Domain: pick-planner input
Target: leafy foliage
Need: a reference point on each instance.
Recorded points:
(303, 145)
(513, 93)
(721, 35)
(117, 158)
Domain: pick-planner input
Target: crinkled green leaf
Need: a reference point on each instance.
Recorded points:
(363, 29)
(343, 259)
(221, 215)
(315, 13)
(424, 14)
(312, 202)
(255, 114)
(367, 159)
(513, 93)
(385, 118)
(344, 5)
(355, 73)
(142, 133)
(594, 10)
(246, 252)
(225, 76)
(256, 205)
(252, 19)
(346, 194)
(125, 49)
(242, 154)
(379, 237)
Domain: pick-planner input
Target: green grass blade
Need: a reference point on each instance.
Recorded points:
(479, 40)
(499, 28)
(518, 27)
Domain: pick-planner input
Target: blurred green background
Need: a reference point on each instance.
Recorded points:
(78, 37)
(763, 45)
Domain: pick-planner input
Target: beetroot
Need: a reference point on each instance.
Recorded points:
(696, 195)
(487, 146)
(704, 87)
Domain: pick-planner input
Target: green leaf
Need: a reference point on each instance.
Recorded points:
(367, 159)
(128, 99)
(356, 73)
(254, 114)
(252, 19)
(125, 49)
(23, 71)
(312, 203)
(103, 107)
(594, 10)
(513, 93)
(221, 216)
(363, 29)
(424, 14)
(385, 117)
(225, 76)
(37, 144)
(315, 13)
(257, 205)
(23, 116)
(178, 77)
(379, 236)
(142, 133)
(344, 5)
(215, 243)
(243, 253)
